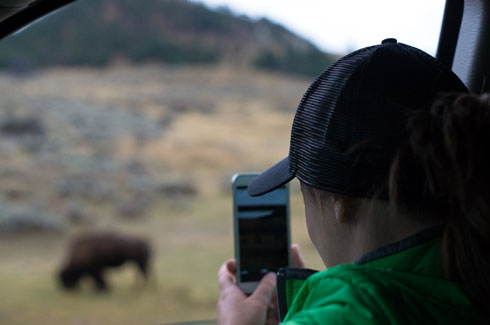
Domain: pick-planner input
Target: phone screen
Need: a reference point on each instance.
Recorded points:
(262, 232)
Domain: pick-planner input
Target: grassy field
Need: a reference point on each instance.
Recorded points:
(191, 126)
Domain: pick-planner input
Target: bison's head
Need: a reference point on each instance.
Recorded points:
(69, 278)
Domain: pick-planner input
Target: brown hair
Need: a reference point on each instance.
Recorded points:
(443, 172)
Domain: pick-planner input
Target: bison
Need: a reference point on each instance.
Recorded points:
(89, 255)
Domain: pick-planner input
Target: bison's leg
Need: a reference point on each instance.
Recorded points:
(99, 281)
(147, 276)
(142, 264)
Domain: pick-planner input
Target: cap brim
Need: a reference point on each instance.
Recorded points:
(272, 178)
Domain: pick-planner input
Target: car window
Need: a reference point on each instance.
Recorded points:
(130, 118)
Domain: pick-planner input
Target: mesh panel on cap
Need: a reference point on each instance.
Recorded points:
(350, 121)
(321, 136)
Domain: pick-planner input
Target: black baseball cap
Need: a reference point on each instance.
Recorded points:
(352, 119)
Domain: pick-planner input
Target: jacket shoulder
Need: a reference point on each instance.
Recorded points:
(357, 294)
(333, 296)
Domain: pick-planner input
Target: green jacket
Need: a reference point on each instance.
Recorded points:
(403, 283)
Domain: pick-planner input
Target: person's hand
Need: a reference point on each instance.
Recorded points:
(297, 259)
(234, 307)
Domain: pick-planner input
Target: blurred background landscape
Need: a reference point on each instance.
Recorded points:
(133, 116)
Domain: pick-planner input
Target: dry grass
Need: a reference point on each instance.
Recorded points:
(217, 122)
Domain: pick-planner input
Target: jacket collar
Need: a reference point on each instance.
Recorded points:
(400, 255)
(418, 238)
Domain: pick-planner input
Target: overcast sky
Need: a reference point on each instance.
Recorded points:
(341, 26)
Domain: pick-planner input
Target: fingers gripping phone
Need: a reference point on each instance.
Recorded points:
(262, 236)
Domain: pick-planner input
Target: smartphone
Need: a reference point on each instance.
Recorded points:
(262, 236)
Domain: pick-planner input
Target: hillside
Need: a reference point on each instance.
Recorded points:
(148, 150)
(99, 33)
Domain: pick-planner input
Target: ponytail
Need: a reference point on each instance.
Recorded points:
(443, 172)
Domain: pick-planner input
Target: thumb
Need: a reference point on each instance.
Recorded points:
(265, 289)
(297, 259)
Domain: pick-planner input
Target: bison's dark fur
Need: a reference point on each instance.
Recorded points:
(90, 254)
